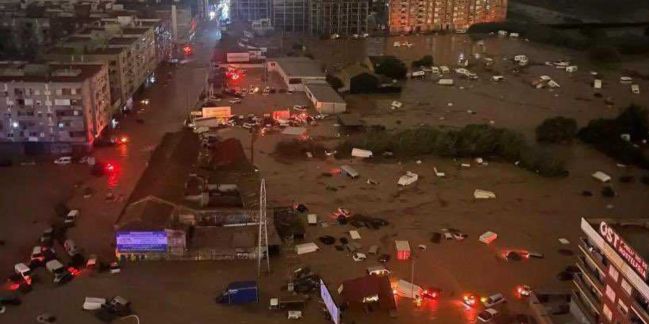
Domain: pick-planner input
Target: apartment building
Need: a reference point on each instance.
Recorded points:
(51, 106)
(344, 17)
(435, 15)
(291, 15)
(249, 10)
(612, 286)
(130, 54)
(162, 32)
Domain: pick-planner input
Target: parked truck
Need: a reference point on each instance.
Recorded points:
(240, 292)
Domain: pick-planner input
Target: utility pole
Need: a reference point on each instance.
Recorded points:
(262, 239)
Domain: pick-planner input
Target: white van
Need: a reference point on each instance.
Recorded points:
(497, 78)
(444, 69)
(418, 74)
(572, 68)
(93, 303)
(635, 88)
(24, 271)
(494, 300)
(60, 273)
(378, 270)
(445, 82)
(71, 217)
(64, 160)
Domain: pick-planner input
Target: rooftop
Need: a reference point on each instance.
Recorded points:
(355, 290)
(122, 40)
(300, 67)
(47, 72)
(86, 51)
(324, 92)
(635, 232)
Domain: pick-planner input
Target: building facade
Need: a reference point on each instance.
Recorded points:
(291, 15)
(612, 285)
(435, 15)
(249, 10)
(48, 105)
(130, 54)
(344, 17)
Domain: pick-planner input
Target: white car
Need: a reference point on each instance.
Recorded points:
(293, 314)
(487, 315)
(357, 256)
(493, 300)
(71, 217)
(365, 35)
(70, 247)
(235, 101)
(64, 160)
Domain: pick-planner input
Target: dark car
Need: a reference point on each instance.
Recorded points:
(9, 298)
(384, 258)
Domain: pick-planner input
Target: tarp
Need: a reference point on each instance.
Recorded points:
(297, 131)
(483, 194)
(408, 178)
(356, 152)
(354, 235)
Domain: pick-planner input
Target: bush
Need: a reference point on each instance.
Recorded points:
(604, 54)
(604, 135)
(391, 67)
(556, 130)
(297, 149)
(470, 141)
(363, 83)
(334, 82)
(426, 60)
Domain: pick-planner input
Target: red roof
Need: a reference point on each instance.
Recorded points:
(355, 290)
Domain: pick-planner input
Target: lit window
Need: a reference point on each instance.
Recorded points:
(610, 293)
(626, 286)
(613, 273)
(607, 312)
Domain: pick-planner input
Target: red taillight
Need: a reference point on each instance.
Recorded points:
(73, 271)
(109, 167)
(123, 139)
(14, 286)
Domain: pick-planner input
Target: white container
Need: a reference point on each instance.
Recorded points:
(488, 237)
(306, 248)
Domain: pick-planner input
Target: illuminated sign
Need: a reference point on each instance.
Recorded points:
(142, 241)
(631, 257)
(329, 302)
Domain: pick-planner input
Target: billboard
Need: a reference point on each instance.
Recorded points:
(329, 302)
(238, 57)
(142, 241)
(632, 258)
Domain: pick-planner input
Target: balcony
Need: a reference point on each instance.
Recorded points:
(593, 254)
(594, 277)
(640, 310)
(592, 298)
(587, 311)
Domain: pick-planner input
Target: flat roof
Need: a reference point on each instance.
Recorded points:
(324, 92)
(96, 51)
(78, 72)
(300, 67)
(122, 40)
(634, 231)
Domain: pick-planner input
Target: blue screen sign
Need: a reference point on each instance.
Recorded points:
(141, 241)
